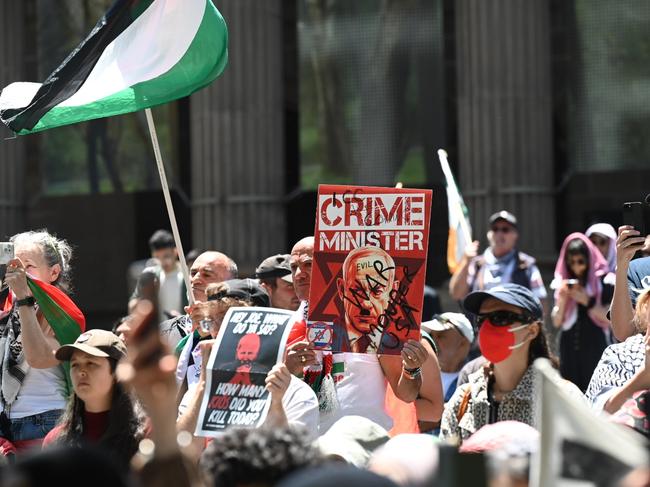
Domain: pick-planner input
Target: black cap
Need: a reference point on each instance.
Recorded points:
(504, 215)
(246, 289)
(275, 266)
(508, 293)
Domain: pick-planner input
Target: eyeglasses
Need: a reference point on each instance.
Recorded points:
(504, 318)
(501, 229)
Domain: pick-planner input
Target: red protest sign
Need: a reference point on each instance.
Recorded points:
(369, 266)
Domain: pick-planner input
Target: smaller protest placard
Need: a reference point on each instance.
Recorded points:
(250, 342)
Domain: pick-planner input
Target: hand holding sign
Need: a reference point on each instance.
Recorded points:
(413, 354)
(300, 355)
(277, 383)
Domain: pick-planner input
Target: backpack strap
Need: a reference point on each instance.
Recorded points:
(478, 274)
(462, 409)
(523, 270)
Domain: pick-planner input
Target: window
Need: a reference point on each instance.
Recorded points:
(372, 101)
(101, 156)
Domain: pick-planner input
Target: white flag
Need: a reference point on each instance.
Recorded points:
(460, 232)
(579, 448)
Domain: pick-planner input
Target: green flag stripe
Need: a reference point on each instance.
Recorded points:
(65, 328)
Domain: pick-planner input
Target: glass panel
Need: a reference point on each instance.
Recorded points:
(371, 90)
(605, 83)
(102, 156)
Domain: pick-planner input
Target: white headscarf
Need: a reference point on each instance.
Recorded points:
(607, 231)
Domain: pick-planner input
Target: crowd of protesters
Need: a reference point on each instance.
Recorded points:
(121, 407)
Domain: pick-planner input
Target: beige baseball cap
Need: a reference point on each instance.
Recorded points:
(448, 321)
(98, 343)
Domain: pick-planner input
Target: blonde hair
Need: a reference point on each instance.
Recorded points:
(642, 303)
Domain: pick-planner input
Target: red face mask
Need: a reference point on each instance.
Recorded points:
(497, 342)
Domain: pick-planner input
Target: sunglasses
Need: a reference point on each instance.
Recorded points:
(501, 229)
(504, 318)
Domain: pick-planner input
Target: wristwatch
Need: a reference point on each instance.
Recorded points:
(28, 301)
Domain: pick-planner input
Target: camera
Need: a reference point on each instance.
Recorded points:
(206, 324)
(571, 282)
(6, 252)
(6, 255)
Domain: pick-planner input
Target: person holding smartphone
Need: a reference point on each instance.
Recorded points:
(583, 288)
(631, 276)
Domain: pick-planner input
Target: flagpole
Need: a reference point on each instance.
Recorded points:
(168, 202)
(444, 163)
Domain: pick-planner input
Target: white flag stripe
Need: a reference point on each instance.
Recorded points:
(18, 95)
(148, 48)
(460, 232)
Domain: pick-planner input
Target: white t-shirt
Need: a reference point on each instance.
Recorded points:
(360, 390)
(301, 406)
(193, 372)
(42, 390)
(447, 378)
(169, 294)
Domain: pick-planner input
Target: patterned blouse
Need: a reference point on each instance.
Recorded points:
(617, 365)
(515, 406)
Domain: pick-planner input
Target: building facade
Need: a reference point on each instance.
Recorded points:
(540, 104)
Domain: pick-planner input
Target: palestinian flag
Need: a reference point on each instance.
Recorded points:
(142, 53)
(64, 317)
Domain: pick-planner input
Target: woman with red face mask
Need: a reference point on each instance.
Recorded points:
(509, 318)
(583, 288)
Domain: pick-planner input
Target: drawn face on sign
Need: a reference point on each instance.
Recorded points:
(248, 348)
(368, 279)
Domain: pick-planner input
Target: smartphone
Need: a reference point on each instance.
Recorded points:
(6, 252)
(6, 255)
(571, 282)
(633, 215)
(147, 312)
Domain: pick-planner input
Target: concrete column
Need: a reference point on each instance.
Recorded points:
(12, 152)
(504, 116)
(237, 140)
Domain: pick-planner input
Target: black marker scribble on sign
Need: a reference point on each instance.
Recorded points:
(348, 196)
(397, 315)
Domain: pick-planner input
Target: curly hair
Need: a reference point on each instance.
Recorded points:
(640, 311)
(257, 456)
(125, 424)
